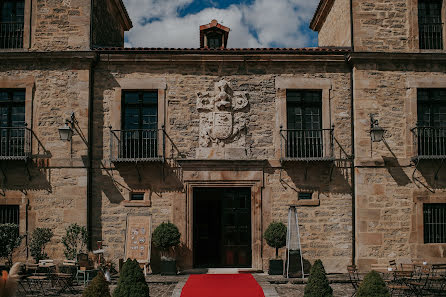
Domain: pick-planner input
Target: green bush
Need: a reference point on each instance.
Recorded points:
(275, 236)
(97, 287)
(318, 285)
(165, 236)
(74, 240)
(39, 238)
(131, 281)
(10, 239)
(373, 286)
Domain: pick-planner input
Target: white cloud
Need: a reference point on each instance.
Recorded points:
(275, 22)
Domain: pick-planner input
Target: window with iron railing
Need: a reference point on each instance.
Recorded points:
(138, 138)
(14, 135)
(430, 24)
(430, 132)
(9, 214)
(11, 23)
(304, 136)
(434, 222)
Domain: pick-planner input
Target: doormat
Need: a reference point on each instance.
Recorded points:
(222, 285)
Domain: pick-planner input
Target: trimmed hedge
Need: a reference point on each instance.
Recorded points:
(132, 282)
(275, 236)
(318, 285)
(373, 286)
(97, 287)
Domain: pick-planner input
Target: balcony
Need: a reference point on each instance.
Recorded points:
(431, 36)
(15, 143)
(11, 35)
(430, 142)
(139, 145)
(307, 145)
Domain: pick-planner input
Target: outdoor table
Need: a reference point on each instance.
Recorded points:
(38, 281)
(85, 274)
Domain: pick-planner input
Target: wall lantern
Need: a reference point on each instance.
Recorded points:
(66, 132)
(376, 132)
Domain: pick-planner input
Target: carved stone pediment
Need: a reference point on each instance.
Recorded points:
(223, 117)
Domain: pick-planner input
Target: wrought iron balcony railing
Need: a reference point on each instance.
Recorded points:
(307, 145)
(431, 36)
(430, 142)
(137, 145)
(11, 35)
(15, 143)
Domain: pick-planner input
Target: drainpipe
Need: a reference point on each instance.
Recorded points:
(352, 164)
(90, 153)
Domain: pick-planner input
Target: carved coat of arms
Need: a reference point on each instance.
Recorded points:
(221, 121)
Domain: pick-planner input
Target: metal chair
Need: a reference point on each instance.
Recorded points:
(354, 278)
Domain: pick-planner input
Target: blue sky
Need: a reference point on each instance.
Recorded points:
(253, 23)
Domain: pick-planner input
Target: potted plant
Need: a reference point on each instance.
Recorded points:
(75, 241)
(39, 239)
(10, 239)
(275, 236)
(165, 237)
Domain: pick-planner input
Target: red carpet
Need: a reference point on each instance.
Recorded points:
(222, 285)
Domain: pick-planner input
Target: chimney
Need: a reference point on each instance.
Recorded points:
(214, 35)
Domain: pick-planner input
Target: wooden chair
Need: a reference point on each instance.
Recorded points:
(392, 264)
(354, 278)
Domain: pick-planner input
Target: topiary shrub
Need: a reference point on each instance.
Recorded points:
(165, 236)
(39, 238)
(373, 286)
(131, 281)
(10, 239)
(275, 236)
(97, 287)
(318, 285)
(74, 240)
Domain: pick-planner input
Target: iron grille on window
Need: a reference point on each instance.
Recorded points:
(434, 219)
(430, 133)
(9, 214)
(430, 24)
(15, 138)
(304, 137)
(11, 23)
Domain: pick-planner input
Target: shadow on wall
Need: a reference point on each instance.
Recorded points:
(430, 174)
(24, 176)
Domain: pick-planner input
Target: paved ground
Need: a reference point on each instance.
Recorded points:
(274, 286)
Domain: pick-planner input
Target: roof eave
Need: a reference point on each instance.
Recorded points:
(125, 18)
(320, 15)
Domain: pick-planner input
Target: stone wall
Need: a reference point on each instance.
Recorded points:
(389, 191)
(107, 29)
(336, 29)
(60, 25)
(113, 184)
(53, 189)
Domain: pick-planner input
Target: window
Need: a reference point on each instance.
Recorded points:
(214, 40)
(304, 124)
(431, 126)
(139, 125)
(137, 196)
(430, 24)
(9, 214)
(305, 196)
(12, 123)
(434, 219)
(11, 23)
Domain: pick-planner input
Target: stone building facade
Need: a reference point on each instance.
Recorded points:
(166, 133)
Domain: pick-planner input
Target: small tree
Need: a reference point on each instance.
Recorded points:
(10, 239)
(373, 286)
(74, 240)
(275, 236)
(39, 238)
(165, 236)
(318, 285)
(97, 287)
(131, 281)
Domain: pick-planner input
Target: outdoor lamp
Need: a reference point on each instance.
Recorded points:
(376, 132)
(66, 131)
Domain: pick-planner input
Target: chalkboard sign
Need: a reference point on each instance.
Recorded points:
(138, 238)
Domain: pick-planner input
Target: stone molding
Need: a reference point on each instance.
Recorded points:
(140, 84)
(282, 84)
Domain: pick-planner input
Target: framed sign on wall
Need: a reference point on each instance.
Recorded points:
(138, 239)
